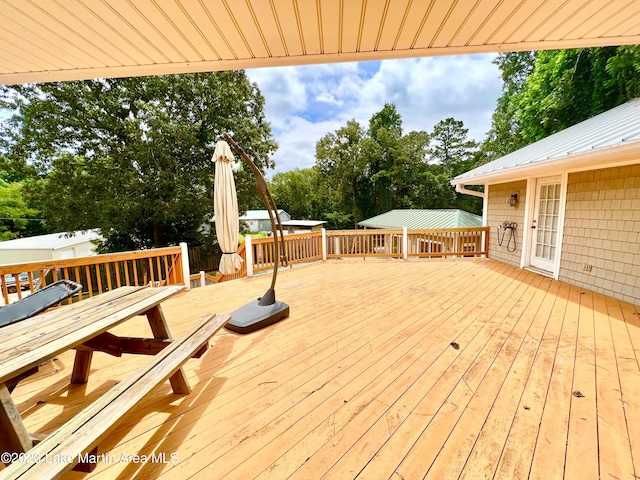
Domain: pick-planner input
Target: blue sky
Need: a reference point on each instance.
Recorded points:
(304, 103)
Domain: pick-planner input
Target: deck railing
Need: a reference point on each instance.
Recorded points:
(167, 266)
(465, 242)
(98, 273)
(458, 242)
(298, 248)
(364, 243)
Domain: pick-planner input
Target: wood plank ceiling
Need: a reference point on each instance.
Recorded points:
(49, 40)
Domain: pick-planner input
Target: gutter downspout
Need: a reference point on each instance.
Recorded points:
(462, 189)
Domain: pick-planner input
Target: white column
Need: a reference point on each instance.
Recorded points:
(324, 244)
(185, 266)
(248, 254)
(405, 243)
(203, 280)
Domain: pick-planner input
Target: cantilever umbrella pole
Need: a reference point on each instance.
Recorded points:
(266, 310)
(267, 199)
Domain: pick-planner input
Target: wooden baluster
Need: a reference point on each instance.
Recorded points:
(87, 272)
(76, 273)
(108, 273)
(117, 273)
(99, 277)
(167, 271)
(159, 270)
(135, 272)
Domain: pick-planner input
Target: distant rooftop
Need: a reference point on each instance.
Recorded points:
(52, 241)
(258, 215)
(417, 219)
(303, 223)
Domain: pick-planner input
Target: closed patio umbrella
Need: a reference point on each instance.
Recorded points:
(225, 208)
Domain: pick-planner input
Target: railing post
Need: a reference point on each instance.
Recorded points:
(405, 243)
(248, 255)
(486, 235)
(186, 273)
(324, 244)
(203, 280)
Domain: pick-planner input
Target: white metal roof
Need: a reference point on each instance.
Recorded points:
(258, 215)
(614, 134)
(303, 223)
(416, 219)
(52, 40)
(52, 241)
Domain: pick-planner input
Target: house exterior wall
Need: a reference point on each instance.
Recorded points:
(499, 211)
(601, 230)
(24, 256)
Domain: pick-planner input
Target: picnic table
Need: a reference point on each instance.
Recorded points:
(84, 326)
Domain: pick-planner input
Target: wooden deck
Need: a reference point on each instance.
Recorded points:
(385, 369)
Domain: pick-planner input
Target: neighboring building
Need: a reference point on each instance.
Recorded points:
(302, 226)
(255, 221)
(416, 219)
(258, 220)
(54, 246)
(574, 198)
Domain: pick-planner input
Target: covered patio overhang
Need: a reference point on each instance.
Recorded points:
(47, 40)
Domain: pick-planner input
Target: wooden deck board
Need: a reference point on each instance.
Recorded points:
(363, 380)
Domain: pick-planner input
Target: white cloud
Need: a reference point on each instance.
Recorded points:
(305, 103)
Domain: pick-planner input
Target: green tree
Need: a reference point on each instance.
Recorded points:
(132, 156)
(504, 136)
(17, 218)
(386, 158)
(297, 192)
(342, 163)
(548, 91)
(451, 148)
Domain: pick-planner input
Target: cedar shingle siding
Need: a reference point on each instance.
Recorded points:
(602, 225)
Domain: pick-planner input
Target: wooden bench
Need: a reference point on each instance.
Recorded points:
(80, 436)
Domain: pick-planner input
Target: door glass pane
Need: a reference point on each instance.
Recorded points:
(547, 221)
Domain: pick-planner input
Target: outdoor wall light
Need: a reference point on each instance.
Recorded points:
(513, 199)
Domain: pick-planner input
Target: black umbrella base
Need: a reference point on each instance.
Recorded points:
(254, 316)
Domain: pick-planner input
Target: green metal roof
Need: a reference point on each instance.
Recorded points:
(415, 219)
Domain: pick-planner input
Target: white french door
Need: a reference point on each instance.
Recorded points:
(545, 224)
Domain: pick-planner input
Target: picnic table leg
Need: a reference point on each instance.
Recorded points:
(15, 437)
(81, 366)
(160, 331)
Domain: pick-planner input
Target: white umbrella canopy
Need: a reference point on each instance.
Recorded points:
(225, 208)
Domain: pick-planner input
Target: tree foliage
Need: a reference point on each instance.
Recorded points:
(366, 173)
(547, 91)
(298, 193)
(132, 156)
(17, 217)
(451, 147)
